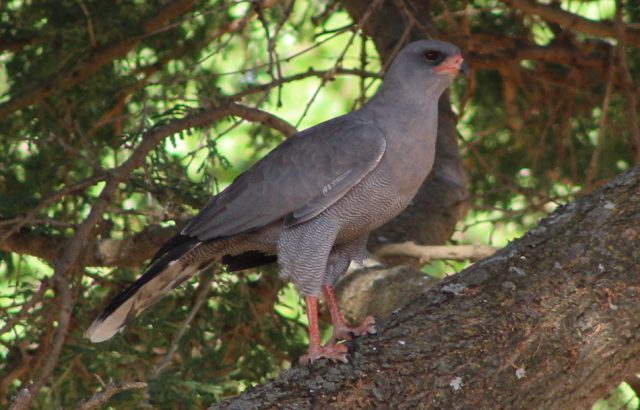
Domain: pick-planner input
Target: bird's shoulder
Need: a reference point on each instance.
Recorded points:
(343, 132)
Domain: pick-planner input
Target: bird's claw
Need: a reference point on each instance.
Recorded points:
(367, 327)
(344, 332)
(333, 352)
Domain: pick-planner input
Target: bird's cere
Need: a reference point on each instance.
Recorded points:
(453, 65)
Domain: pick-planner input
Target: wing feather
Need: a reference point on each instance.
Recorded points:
(296, 181)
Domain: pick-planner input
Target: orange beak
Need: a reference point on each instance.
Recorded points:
(453, 65)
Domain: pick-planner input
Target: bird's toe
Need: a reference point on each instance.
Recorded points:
(368, 326)
(333, 352)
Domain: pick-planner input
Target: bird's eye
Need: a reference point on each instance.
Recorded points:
(433, 56)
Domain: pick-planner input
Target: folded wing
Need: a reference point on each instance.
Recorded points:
(295, 182)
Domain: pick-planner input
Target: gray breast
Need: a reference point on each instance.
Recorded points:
(369, 205)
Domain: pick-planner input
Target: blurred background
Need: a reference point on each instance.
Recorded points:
(119, 119)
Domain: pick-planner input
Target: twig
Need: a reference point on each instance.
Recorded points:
(15, 318)
(92, 35)
(290, 57)
(300, 76)
(265, 118)
(339, 60)
(234, 27)
(412, 21)
(468, 11)
(201, 297)
(627, 81)
(427, 253)
(330, 75)
(51, 198)
(363, 66)
(592, 171)
(110, 389)
(285, 17)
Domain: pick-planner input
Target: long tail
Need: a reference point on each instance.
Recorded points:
(168, 269)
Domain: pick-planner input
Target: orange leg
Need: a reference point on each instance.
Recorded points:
(340, 328)
(316, 351)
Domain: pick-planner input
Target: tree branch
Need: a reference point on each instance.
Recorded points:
(574, 22)
(15, 44)
(110, 389)
(427, 253)
(627, 81)
(530, 327)
(265, 118)
(68, 77)
(66, 265)
(49, 199)
(35, 298)
(134, 250)
(129, 252)
(300, 76)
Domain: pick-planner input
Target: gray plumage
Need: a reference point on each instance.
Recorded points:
(312, 200)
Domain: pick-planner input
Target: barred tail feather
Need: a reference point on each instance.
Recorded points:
(162, 276)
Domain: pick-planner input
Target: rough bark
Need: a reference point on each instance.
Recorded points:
(548, 322)
(443, 199)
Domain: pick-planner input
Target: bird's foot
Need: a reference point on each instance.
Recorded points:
(333, 352)
(344, 332)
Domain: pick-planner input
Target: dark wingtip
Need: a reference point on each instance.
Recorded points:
(247, 260)
(175, 241)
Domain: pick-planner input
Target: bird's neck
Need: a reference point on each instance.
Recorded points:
(410, 123)
(412, 112)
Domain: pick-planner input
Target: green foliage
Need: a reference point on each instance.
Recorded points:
(80, 131)
(527, 143)
(623, 398)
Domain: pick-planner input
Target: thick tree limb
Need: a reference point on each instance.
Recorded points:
(129, 252)
(531, 327)
(573, 21)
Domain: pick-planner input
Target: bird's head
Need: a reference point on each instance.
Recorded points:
(424, 64)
